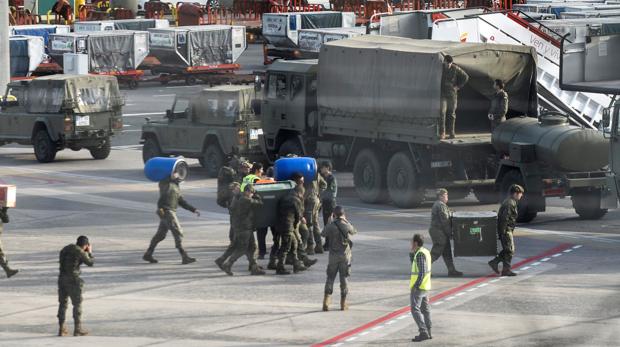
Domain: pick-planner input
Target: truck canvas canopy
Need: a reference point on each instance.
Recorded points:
(223, 104)
(393, 81)
(82, 94)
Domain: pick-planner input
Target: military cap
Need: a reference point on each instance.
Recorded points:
(515, 188)
(245, 163)
(442, 191)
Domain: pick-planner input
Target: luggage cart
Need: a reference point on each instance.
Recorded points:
(130, 78)
(209, 74)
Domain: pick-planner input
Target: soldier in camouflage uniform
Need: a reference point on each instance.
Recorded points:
(290, 215)
(338, 235)
(4, 218)
(506, 221)
(452, 79)
(242, 210)
(70, 285)
(441, 232)
(499, 105)
(169, 199)
(312, 206)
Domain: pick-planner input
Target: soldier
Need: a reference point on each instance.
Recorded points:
(70, 285)
(169, 199)
(441, 231)
(506, 221)
(290, 214)
(312, 205)
(452, 79)
(4, 218)
(338, 235)
(328, 196)
(419, 286)
(242, 219)
(255, 174)
(499, 105)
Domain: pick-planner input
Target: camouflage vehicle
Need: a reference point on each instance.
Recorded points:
(62, 111)
(218, 121)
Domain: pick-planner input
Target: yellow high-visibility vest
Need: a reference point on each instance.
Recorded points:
(426, 280)
(249, 179)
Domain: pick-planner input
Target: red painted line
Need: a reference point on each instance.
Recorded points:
(437, 297)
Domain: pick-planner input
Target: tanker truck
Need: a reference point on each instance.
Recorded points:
(371, 105)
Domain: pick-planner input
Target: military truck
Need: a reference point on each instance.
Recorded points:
(216, 122)
(371, 105)
(62, 111)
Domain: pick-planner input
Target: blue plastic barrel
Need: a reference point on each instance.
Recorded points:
(284, 168)
(160, 168)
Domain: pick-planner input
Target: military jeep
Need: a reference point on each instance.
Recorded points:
(61, 111)
(210, 125)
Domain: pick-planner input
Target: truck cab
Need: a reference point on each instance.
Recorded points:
(62, 111)
(289, 107)
(216, 122)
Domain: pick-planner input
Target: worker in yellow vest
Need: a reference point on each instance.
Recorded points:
(420, 285)
(256, 173)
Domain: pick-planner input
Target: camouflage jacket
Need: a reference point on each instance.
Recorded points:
(313, 192)
(452, 78)
(338, 234)
(71, 257)
(170, 197)
(507, 216)
(242, 212)
(499, 104)
(331, 188)
(290, 212)
(440, 218)
(4, 217)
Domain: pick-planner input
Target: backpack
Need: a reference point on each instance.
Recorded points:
(225, 177)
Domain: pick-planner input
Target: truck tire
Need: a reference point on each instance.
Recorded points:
(150, 149)
(402, 184)
(212, 159)
(588, 205)
(369, 177)
(486, 195)
(44, 147)
(101, 152)
(511, 177)
(290, 146)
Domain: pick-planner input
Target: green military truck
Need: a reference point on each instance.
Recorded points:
(62, 111)
(216, 122)
(372, 105)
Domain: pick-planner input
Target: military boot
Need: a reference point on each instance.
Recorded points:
(506, 271)
(186, 259)
(255, 270)
(298, 266)
(148, 255)
(343, 302)
(309, 262)
(281, 270)
(227, 268)
(272, 264)
(79, 331)
(452, 272)
(310, 250)
(493, 264)
(10, 272)
(62, 330)
(289, 259)
(220, 262)
(319, 248)
(327, 299)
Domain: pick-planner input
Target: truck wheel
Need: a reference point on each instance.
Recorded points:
(588, 205)
(212, 160)
(369, 177)
(290, 146)
(102, 151)
(132, 84)
(486, 195)
(511, 177)
(190, 80)
(402, 184)
(44, 147)
(150, 149)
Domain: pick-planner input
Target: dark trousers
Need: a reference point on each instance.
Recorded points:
(276, 244)
(261, 235)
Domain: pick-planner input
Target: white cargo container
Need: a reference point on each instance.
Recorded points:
(311, 40)
(8, 195)
(103, 25)
(281, 29)
(139, 24)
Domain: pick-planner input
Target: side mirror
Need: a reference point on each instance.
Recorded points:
(606, 118)
(168, 114)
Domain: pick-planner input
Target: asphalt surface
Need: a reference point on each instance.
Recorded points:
(565, 300)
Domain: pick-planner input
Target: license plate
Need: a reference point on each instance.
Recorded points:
(82, 121)
(254, 133)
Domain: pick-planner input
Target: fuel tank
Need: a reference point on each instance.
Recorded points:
(557, 143)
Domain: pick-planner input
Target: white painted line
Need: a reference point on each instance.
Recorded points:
(556, 255)
(391, 322)
(568, 250)
(163, 95)
(438, 303)
(131, 131)
(450, 298)
(352, 338)
(377, 327)
(143, 114)
(577, 246)
(338, 344)
(545, 259)
(536, 263)
(482, 285)
(471, 290)
(403, 317)
(461, 293)
(495, 280)
(525, 268)
(365, 333)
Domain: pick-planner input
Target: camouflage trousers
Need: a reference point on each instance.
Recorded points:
(288, 243)
(168, 222)
(70, 287)
(243, 243)
(341, 268)
(312, 223)
(442, 248)
(508, 249)
(448, 115)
